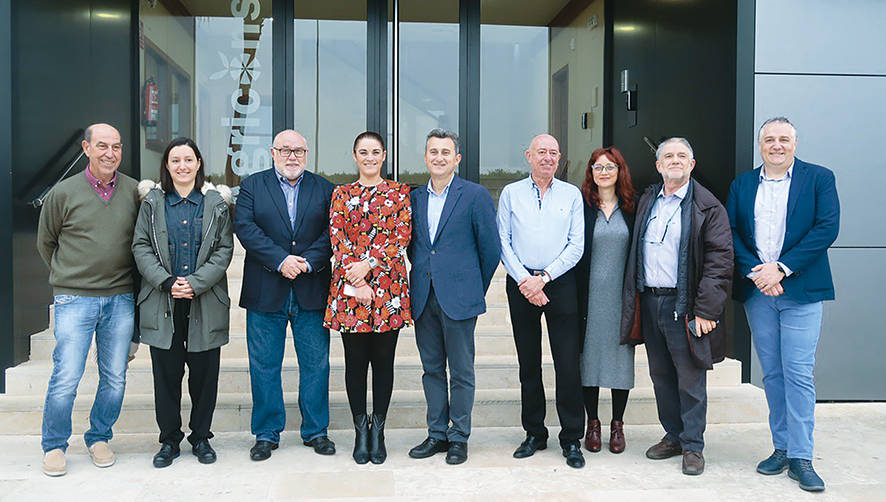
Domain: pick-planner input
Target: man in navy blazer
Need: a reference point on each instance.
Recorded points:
(454, 254)
(282, 219)
(784, 217)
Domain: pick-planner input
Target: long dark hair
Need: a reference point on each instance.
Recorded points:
(624, 187)
(166, 179)
(369, 135)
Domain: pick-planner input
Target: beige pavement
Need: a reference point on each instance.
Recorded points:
(850, 445)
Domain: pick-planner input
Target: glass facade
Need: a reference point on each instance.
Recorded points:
(215, 71)
(207, 74)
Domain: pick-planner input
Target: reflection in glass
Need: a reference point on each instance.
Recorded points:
(514, 99)
(429, 72)
(330, 85)
(212, 72)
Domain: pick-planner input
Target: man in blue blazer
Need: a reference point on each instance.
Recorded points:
(454, 253)
(282, 219)
(784, 217)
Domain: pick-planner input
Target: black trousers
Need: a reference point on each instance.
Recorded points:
(362, 350)
(561, 315)
(680, 386)
(169, 369)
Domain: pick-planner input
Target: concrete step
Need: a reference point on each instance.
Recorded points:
(492, 408)
(492, 372)
(487, 342)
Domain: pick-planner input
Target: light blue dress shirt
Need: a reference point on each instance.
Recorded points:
(661, 242)
(540, 233)
(435, 207)
(770, 216)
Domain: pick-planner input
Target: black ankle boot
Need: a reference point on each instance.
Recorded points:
(377, 451)
(361, 439)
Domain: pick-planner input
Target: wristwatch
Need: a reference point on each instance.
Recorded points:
(545, 277)
(372, 261)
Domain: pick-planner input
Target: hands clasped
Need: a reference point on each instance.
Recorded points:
(767, 277)
(293, 265)
(532, 287)
(181, 289)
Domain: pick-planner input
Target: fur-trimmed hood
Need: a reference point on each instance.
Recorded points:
(145, 186)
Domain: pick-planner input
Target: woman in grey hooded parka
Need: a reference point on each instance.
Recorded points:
(183, 244)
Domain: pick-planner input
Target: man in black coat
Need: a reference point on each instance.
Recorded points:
(678, 274)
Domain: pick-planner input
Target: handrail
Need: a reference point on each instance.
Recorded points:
(652, 146)
(53, 161)
(38, 202)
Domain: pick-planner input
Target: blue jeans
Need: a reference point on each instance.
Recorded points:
(111, 318)
(265, 341)
(786, 335)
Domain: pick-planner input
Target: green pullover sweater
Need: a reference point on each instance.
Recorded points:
(86, 241)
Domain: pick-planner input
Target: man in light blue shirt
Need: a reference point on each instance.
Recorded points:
(454, 253)
(541, 226)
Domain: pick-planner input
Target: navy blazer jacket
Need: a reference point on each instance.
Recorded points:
(813, 221)
(465, 253)
(262, 225)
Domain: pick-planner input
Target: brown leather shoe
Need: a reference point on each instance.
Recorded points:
(616, 436)
(664, 449)
(593, 441)
(693, 463)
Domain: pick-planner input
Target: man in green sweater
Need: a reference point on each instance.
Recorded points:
(85, 237)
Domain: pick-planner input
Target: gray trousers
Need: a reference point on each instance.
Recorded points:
(441, 339)
(680, 387)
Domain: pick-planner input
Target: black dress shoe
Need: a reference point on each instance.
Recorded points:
(573, 455)
(429, 447)
(168, 452)
(262, 450)
(204, 453)
(458, 453)
(322, 445)
(529, 446)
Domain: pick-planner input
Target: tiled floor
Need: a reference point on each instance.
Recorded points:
(850, 451)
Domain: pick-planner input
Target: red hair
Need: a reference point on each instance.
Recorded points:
(624, 187)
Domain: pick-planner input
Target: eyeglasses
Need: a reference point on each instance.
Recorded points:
(286, 152)
(604, 168)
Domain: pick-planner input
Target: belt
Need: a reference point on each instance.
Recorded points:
(661, 291)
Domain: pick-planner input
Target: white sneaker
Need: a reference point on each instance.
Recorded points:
(101, 454)
(54, 463)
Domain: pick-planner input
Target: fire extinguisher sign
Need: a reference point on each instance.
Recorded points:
(151, 104)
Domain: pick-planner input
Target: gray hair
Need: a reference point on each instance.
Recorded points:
(87, 134)
(443, 134)
(682, 141)
(775, 120)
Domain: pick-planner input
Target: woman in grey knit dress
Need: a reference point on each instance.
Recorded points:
(605, 361)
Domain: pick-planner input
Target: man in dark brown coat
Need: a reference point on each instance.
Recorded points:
(678, 275)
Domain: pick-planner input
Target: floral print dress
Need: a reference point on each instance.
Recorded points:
(370, 222)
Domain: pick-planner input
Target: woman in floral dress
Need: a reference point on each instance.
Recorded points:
(369, 228)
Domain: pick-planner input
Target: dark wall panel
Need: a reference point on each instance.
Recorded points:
(681, 57)
(6, 306)
(72, 64)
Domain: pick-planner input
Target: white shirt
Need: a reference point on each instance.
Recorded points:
(770, 215)
(661, 242)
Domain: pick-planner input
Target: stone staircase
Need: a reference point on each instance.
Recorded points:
(497, 400)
